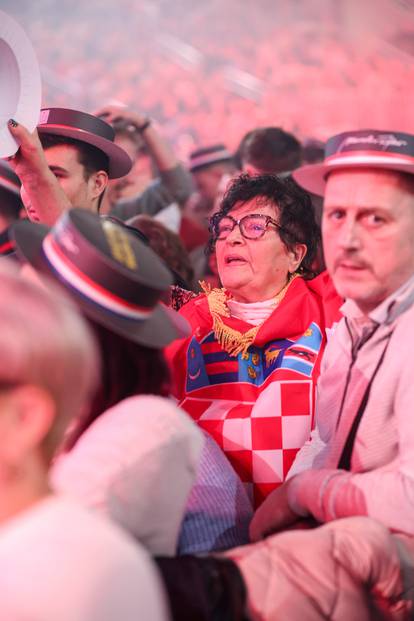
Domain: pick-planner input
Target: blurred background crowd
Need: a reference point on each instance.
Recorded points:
(211, 71)
(180, 162)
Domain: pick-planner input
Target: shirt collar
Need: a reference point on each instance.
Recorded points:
(385, 312)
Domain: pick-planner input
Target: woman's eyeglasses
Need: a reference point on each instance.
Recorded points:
(252, 226)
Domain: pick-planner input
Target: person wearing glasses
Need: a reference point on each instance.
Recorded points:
(248, 372)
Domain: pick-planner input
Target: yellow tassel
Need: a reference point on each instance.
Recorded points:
(231, 340)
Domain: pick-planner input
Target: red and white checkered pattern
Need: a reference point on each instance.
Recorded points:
(260, 438)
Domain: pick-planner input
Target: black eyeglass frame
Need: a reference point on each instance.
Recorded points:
(268, 220)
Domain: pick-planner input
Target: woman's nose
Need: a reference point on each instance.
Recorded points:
(235, 236)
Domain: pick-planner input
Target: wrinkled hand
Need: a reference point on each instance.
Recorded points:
(111, 114)
(29, 161)
(273, 515)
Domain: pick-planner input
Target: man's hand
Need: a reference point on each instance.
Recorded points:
(273, 515)
(157, 147)
(111, 114)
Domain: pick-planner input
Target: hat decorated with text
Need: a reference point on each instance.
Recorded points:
(367, 148)
(113, 276)
(207, 156)
(86, 128)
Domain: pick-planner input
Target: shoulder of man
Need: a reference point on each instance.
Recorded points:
(331, 301)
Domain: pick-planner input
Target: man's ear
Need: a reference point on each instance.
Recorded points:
(296, 257)
(99, 183)
(30, 414)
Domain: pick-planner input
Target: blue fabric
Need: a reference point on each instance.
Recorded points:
(218, 510)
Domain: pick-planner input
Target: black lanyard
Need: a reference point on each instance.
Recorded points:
(346, 455)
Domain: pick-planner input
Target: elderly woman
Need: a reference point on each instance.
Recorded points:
(247, 374)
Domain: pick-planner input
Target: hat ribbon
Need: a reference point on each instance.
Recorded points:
(95, 292)
(368, 157)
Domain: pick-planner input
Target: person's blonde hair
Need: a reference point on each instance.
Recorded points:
(45, 341)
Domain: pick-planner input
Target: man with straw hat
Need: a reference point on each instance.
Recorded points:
(360, 459)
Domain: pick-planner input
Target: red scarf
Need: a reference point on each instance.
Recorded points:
(259, 406)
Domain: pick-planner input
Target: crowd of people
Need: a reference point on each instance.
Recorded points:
(205, 379)
(308, 66)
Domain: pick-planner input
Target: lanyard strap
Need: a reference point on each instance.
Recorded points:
(346, 455)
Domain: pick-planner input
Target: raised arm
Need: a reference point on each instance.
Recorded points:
(161, 152)
(42, 196)
(174, 177)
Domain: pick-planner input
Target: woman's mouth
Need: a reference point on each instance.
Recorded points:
(233, 259)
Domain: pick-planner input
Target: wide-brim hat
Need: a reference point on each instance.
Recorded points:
(86, 128)
(20, 83)
(207, 156)
(115, 278)
(361, 149)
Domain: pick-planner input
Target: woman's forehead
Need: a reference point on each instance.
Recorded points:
(259, 204)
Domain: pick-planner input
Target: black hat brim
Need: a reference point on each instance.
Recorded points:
(119, 161)
(163, 326)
